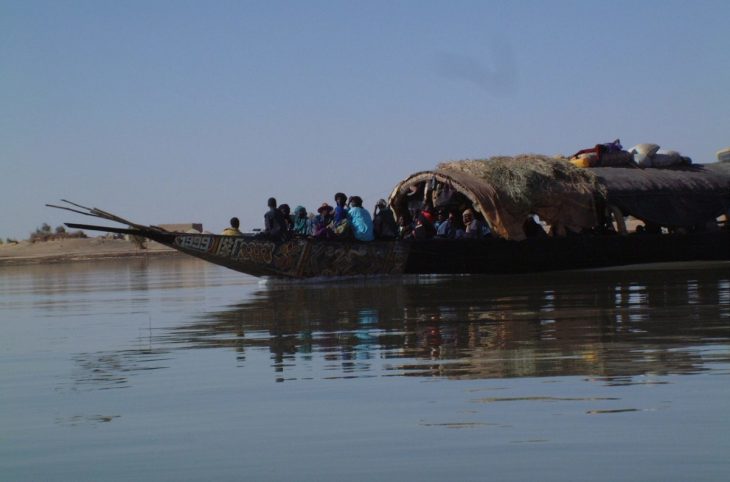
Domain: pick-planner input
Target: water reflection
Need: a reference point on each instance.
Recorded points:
(108, 275)
(609, 325)
(112, 370)
(191, 355)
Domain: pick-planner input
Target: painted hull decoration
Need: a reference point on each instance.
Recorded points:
(295, 258)
(235, 248)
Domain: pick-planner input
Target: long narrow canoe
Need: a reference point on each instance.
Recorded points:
(307, 257)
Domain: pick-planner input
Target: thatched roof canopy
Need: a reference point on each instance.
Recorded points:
(505, 190)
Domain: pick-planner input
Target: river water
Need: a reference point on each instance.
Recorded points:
(173, 369)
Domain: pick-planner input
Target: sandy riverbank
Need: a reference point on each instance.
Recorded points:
(64, 250)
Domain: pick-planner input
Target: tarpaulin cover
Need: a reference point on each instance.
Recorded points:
(686, 196)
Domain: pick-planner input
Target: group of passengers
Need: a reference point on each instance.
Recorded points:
(348, 219)
(444, 224)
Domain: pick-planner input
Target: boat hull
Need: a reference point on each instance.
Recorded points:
(499, 256)
(297, 257)
(302, 257)
(306, 257)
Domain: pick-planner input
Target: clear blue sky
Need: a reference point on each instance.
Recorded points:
(175, 111)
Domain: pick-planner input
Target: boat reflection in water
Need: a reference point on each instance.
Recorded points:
(611, 325)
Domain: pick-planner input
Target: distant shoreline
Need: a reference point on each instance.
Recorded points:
(75, 250)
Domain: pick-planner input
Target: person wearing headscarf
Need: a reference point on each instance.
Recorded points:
(341, 224)
(302, 224)
(384, 225)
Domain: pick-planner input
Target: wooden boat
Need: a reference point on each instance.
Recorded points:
(682, 201)
(306, 257)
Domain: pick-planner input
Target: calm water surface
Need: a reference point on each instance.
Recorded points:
(173, 369)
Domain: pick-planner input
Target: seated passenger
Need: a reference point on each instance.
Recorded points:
(302, 225)
(288, 218)
(360, 221)
(322, 221)
(233, 229)
(414, 199)
(440, 219)
(340, 211)
(340, 223)
(447, 225)
(405, 227)
(533, 229)
(652, 228)
(473, 227)
(384, 224)
(424, 225)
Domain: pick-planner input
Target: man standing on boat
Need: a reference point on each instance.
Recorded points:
(274, 223)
